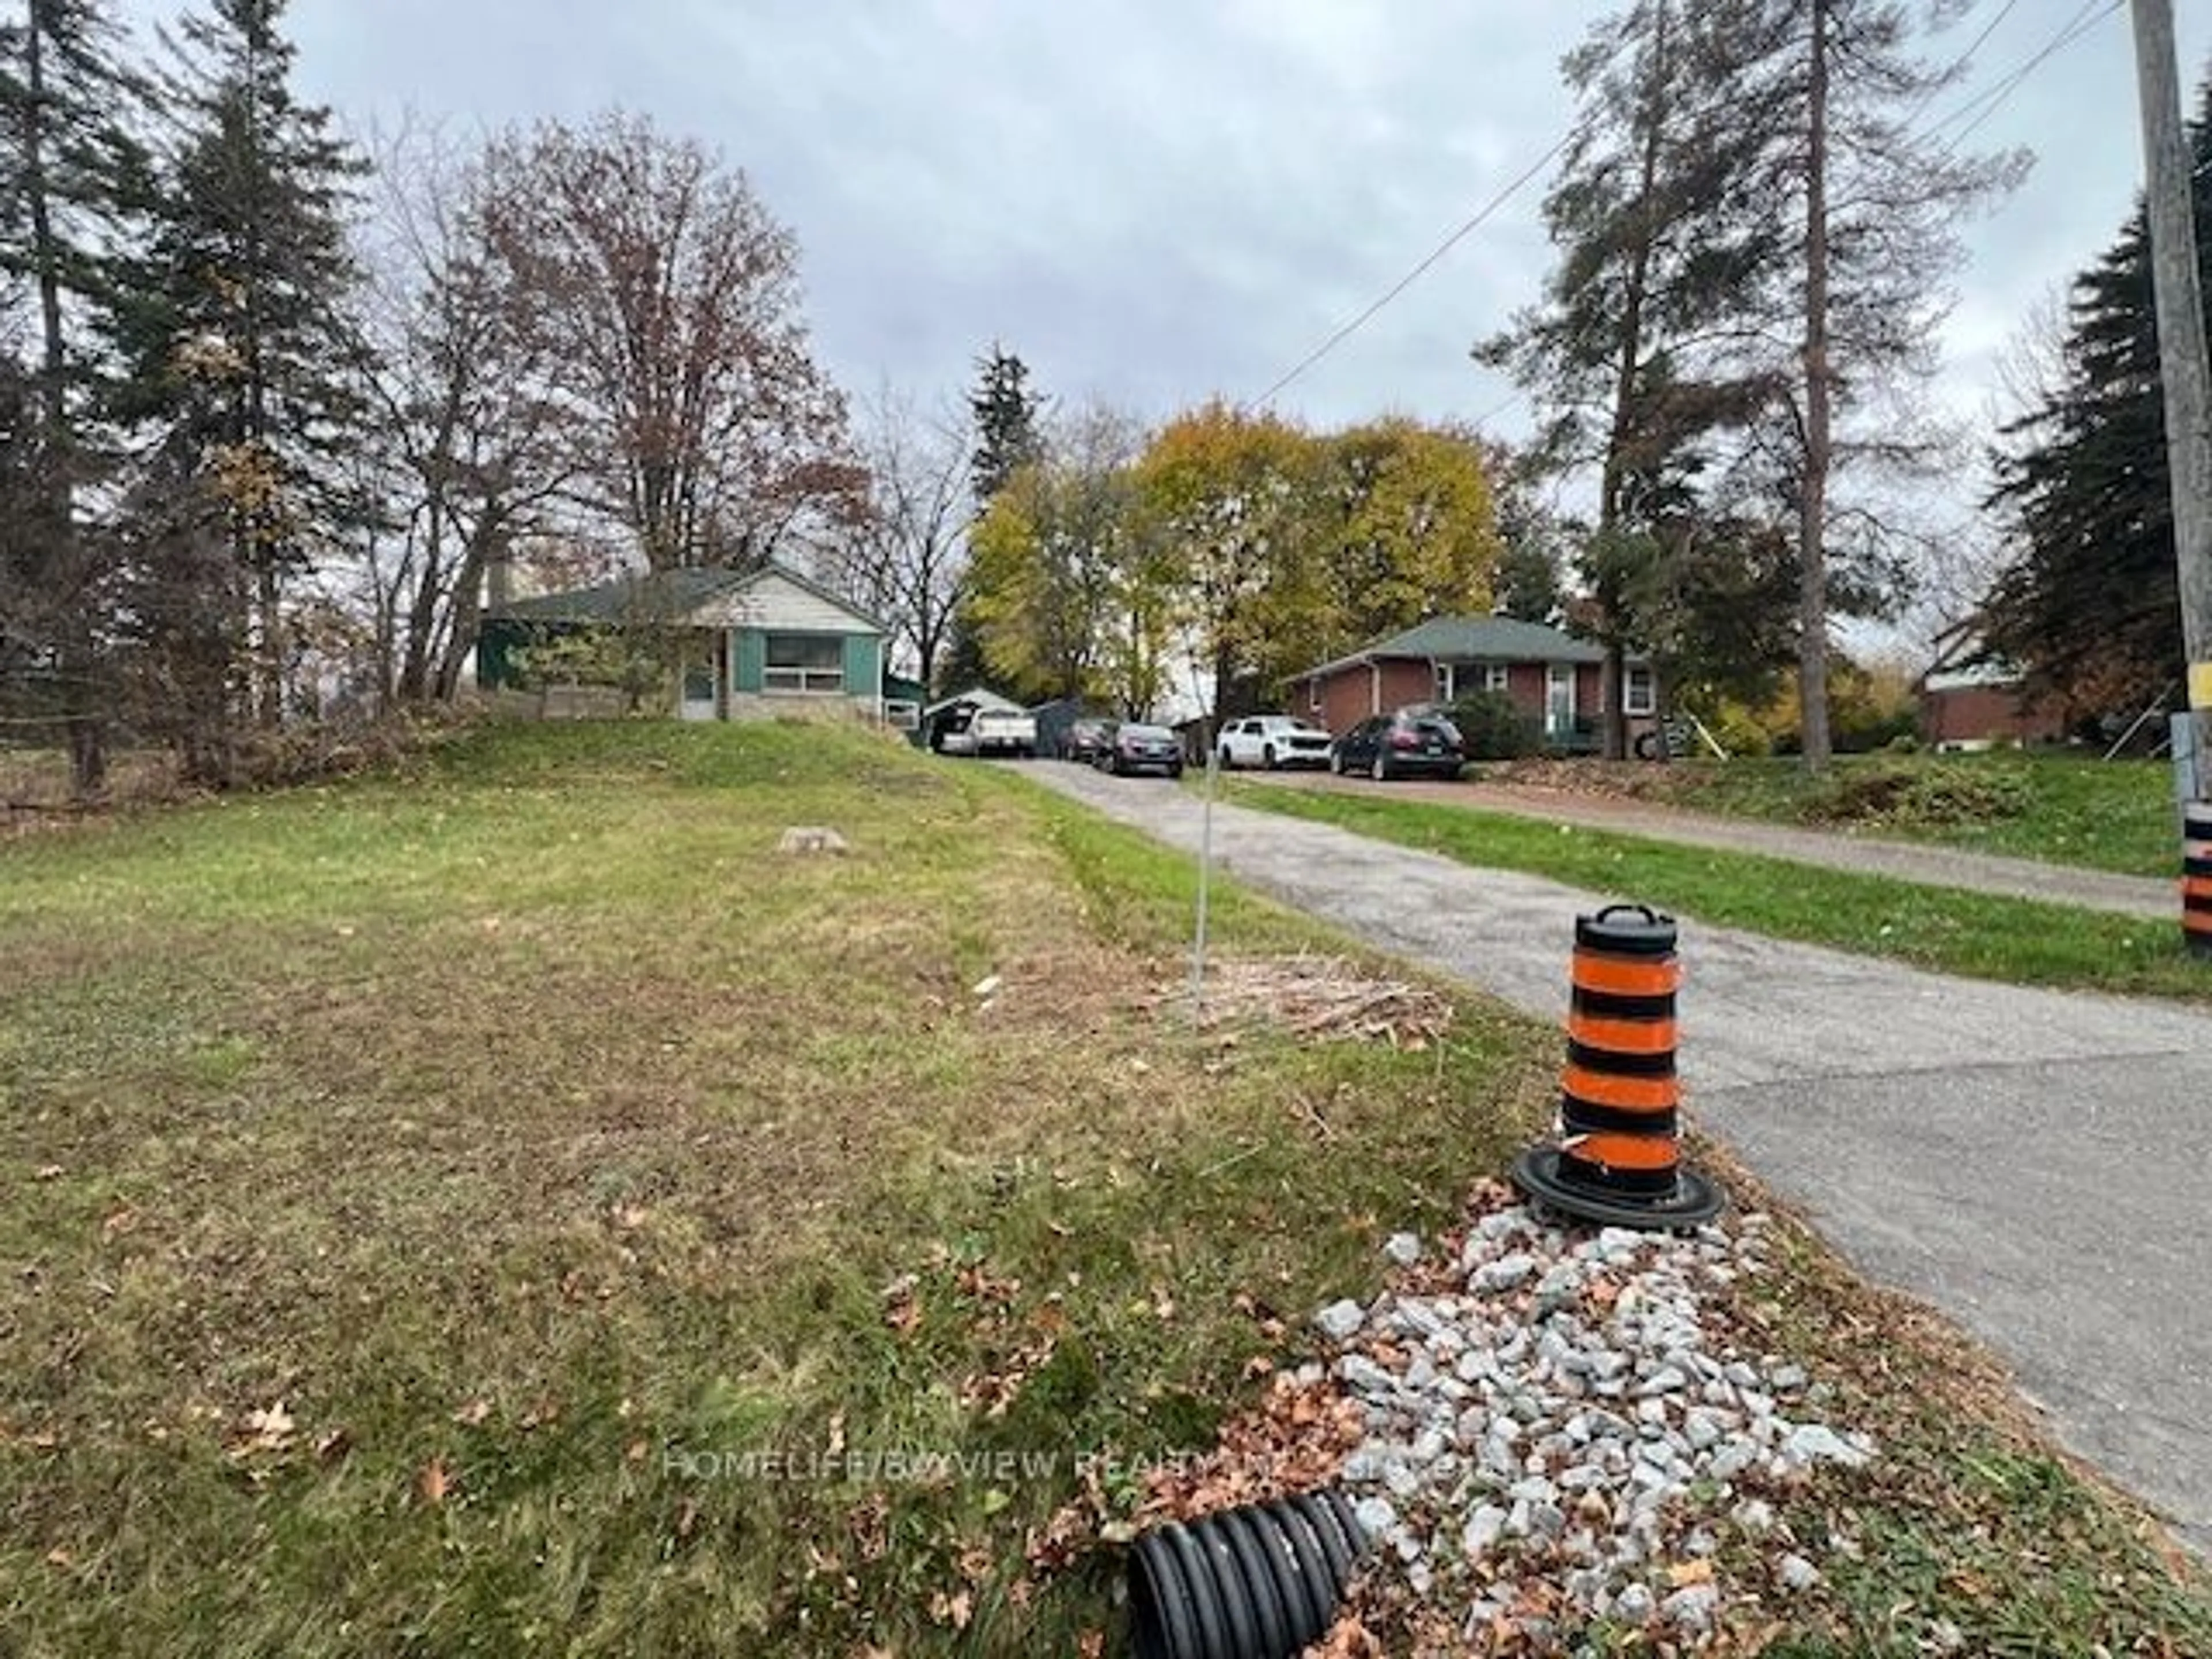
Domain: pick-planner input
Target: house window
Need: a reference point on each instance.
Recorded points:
(1497, 677)
(1313, 694)
(1639, 695)
(1447, 680)
(804, 662)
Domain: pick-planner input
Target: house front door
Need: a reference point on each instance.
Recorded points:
(698, 676)
(1559, 701)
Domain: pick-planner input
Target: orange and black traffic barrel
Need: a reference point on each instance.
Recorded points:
(2196, 877)
(1618, 1153)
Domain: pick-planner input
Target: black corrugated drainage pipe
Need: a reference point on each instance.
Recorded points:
(1257, 1583)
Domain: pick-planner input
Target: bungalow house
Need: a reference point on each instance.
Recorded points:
(1985, 705)
(745, 644)
(1558, 679)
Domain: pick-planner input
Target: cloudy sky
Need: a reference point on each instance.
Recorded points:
(1157, 200)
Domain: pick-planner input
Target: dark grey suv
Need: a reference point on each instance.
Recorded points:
(1405, 744)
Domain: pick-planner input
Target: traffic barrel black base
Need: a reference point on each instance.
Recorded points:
(1692, 1201)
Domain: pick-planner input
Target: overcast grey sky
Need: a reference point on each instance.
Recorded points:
(1157, 200)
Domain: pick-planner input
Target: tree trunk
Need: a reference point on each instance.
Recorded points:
(1813, 493)
(1630, 358)
(77, 656)
(468, 608)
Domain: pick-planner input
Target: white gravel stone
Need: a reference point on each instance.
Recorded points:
(1375, 1516)
(1340, 1322)
(1404, 1249)
(1563, 1441)
(1691, 1609)
(1506, 1273)
(1816, 1443)
(1484, 1527)
(1365, 1377)
(1797, 1573)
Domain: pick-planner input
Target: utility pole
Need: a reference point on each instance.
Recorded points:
(1813, 488)
(2168, 188)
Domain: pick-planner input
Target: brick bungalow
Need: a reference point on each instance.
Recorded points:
(1983, 707)
(1557, 679)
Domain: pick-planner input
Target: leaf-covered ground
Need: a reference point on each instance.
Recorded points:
(507, 1206)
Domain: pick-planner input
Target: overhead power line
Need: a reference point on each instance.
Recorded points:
(1978, 109)
(1975, 110)
(1414, 275)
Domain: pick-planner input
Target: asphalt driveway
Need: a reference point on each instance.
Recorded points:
(2036, 1165)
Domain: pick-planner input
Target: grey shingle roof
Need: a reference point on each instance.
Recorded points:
(659, 596)
(1475, 638)
(665, 596)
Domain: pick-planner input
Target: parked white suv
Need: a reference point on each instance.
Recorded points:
(1273, 740)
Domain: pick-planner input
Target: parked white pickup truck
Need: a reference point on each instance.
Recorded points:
(1004, 731)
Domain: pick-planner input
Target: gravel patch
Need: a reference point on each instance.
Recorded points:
(1559, 1431)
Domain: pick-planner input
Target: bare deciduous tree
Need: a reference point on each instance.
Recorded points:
(669, 299)
(479, 444)
(909, 561)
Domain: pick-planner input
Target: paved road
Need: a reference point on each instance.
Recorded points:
(1917, 861)
(2036, 1165)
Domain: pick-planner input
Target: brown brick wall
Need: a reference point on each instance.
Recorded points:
(1973, 714)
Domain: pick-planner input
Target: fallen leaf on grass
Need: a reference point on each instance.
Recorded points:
(434, 1482)
(956, 1609)
(901, 1307)
(333, 1446)
(118, 1222)
(269, 1430)
(473, 1413)
(51, 1172)
(1684, 1573)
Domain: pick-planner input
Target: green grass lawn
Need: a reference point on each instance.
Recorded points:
(2063, 808)
(505, 1207)
(1946, 929)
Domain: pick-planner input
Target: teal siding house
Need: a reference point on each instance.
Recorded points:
(748, 644)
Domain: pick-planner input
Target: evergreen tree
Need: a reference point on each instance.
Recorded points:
(1662, 240)
(236, 341)
(1005, 413)
(1880, 202)
(73, 177)
(2088, 604)
(1007, 438)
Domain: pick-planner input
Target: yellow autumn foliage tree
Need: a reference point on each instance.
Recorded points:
(1415, 532)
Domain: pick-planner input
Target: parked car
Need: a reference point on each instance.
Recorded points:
(1273, 740)
(1086, 740)
(1005, 732)
(1136, 748)
(1403, 743)
(954, 730)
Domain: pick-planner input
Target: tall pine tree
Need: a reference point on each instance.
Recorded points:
(1879, 201)
(2088, 604)
(1004, 412)
(73, 177)
(1664, 240)
(236, 342)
